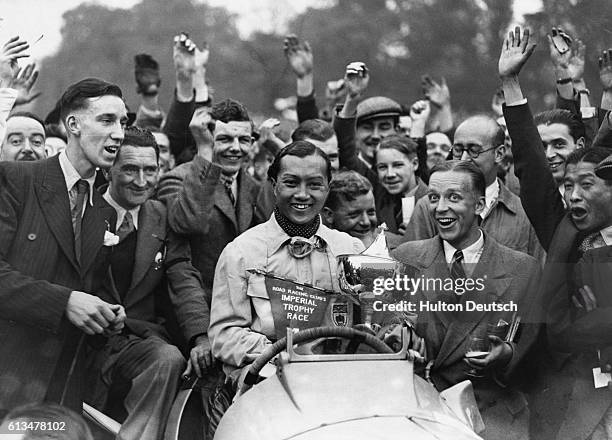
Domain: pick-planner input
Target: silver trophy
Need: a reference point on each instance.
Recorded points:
(363, 276)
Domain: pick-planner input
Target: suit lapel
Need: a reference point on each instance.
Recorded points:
(248, 190)
(53, 196)
(96, 221)
(496, 284)
(151, 235)
(223, 202)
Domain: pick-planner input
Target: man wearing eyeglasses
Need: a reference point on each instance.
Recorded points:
(481, 140)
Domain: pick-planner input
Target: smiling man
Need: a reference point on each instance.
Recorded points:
(147, 259)
(350, 206)
(52, 232)
(215, 202)
(561, 132)
(292, 244)
(463, 251)
(566, 234)
(480, 140)
(24, 139)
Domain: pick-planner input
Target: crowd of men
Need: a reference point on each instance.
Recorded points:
(136, 248)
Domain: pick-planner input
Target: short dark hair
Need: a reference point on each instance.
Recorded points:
(346, 186)
(138, 137)
(299, 149)
(315, 129)
(561, 116)
(229, 110)
(76, 96)
(399, 142)
(75, 426)
(27, 115)
(591, 155)
(463, 166)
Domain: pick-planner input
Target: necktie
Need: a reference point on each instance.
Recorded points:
(228, 187)
(592, 241)
(82, 187)
(456, 266)
(126, 227)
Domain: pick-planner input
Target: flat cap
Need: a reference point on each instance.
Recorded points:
(604, 169)
(377, 107)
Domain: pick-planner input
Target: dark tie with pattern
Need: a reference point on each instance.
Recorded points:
(82, 187)
(228, 187)
(126, 227)
(456, 266)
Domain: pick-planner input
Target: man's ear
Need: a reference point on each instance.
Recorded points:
(480, 205)
(328, 216)
(73, 125)
(415, 163)
(500, 153)
(580, 142)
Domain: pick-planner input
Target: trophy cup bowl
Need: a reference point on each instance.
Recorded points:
(357, 272)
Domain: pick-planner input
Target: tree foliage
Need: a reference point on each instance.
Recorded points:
(398, 39)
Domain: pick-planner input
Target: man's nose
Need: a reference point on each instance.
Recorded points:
(576, 194)
(118, 132)
(550, 151)
(465, 155)
(140, 179)
(364, 220)
(27, 146)
(302, 192)
(441, 205)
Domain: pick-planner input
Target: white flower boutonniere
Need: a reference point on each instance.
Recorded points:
(110, 239)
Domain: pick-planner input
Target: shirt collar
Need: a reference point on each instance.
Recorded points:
(606, 234)
(471, 254)
(72, 176)
(491, 193)
(280, 237)
(120, 210)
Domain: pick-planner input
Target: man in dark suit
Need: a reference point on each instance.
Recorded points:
(47, 262)
(142, 357)
(501, 277)
(215, 202)
(564, 377)
(481, 140)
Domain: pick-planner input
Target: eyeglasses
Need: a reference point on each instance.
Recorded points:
(473, 150)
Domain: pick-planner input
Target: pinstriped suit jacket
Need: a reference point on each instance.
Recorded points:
(38, 270)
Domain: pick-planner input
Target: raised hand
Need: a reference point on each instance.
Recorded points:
(497, 102)
(438, 94)
(183, 55)
(605, 69)
(146, 73)
(201, 56)
(266, 129)
(356, 79)
(298, 55)
(576, 61)
(12, 50)
(200, 127)
(23, 82)
(559, 59)
(515, 52)
(419, 113)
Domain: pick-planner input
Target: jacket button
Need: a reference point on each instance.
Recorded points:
(31, 237)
